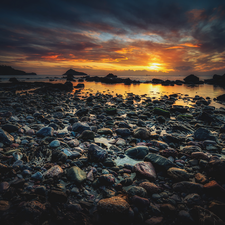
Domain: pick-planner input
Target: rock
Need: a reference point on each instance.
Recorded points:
(140, 202)
(80, 127)
(178, 174)
(45, 131)
(105, 131)
(53, 171)
(204, 216)
(200, 178)
(114, 205)
(106, 179)
(58, 155)
(192, 199)
(32, 211)
(96, 153)
(200, 155)
(6, 138)
(151, 188)
(202, 134)
(10, 128)
(138, 152)
(218, 208)
(4, 205)
(4, 186)
(145, 169)
(40, 190)
(185, 217)
(213, 188)
(168, 209)
(111, 111)
(54, 144)
(154, 221)
(87, 135)
(191, 148)
(135, 190)
(142, 133)
(161, 112)
(188, 187)
(37, 176)
(4, 168)
(76, 174)
(159, 161)
(191, 79)
(82, 112)
(57, 196)
(216, 168)
(123, 132)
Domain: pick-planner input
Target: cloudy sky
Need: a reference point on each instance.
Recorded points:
(176, 37)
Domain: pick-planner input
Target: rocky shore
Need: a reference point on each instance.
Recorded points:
(104, 159)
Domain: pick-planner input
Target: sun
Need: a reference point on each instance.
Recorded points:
(156, 66)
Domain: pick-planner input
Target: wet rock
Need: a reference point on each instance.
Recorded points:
(204, 216)
(138, 152)
(37, 176)
(188, 187)
(178, 174)
(203, 134)
(151, 188)
(80, 127)
(4, 186)
(106, 179)
(96, 153)
(53, 171)
(4, 205)
(159, 161)
(141, 133)
(76, 174)
(162, 112)
(58, 155)
(111, 111)
(192, 199)
(213, 188)
(10, 128)
(5, 137)
(168, 209)
(57, 196)
(145, 169)
(140, 202)
(54, 144)
(191, 148)
(45, 131)
(200, 178)
(114, 205)
(135, 190)
(105, 131)
(154, 221)
(87, 135)
(185, 217)
(123, 132)
(218, 208)
(191, 79)
(200, 155)
(216, 168)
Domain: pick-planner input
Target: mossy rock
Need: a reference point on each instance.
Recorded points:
(161, 112)
(184, 117)
(111, 111)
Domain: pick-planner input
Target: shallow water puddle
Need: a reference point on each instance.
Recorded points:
(126, 160)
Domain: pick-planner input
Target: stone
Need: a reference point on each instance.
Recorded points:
(4, 186)
(213, 188)
(218, 208)
(200, 178)
(37, 176)
(202, 134)
(140, 202)
(124, 132)
(162, 112)
(57, 196)
(154, 221)
(114, 205)
(53, 171)
(200, 155)
(178, 174)
(135, 190)
(188, 187)
(76, 174)
(87, 135)
(4, 205)
(54, 144)
(150, 187)
(192, 199)
(40, 190)
(96, 153)
(216, 168)
(5, 137)
(168, 208)
(142, 133)
(105, 131)
(145, 169)
(159, 161)
(10, 128)
(191, 79)
(45, 131)
(185, 217)
(138, 152)
(204, 216)
(189, 149)
(79, 127)
(106, 179)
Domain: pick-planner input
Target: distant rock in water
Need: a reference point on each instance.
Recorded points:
(73, 72)
(191, 79)
(8, 70)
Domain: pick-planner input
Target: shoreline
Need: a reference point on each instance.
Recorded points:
(100, 159)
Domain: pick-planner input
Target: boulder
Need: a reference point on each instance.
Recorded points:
(76, 174)
(145, 169)
(142, 133)
(5, 137)
(96, 153)
(138, 152)
(45, 131)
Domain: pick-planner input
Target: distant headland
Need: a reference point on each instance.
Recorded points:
(74, 72)
(8, 70)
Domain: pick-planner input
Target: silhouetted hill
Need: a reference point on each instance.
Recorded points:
(8, 70)
(74, 72)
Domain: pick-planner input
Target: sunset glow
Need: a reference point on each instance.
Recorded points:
(141, 38)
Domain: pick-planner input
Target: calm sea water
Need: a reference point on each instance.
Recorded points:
(150, 90)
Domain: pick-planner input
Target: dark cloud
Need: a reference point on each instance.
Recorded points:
(183, 68)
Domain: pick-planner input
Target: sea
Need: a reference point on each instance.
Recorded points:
(185, 92)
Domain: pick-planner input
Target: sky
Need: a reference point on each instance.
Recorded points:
(137, 37)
